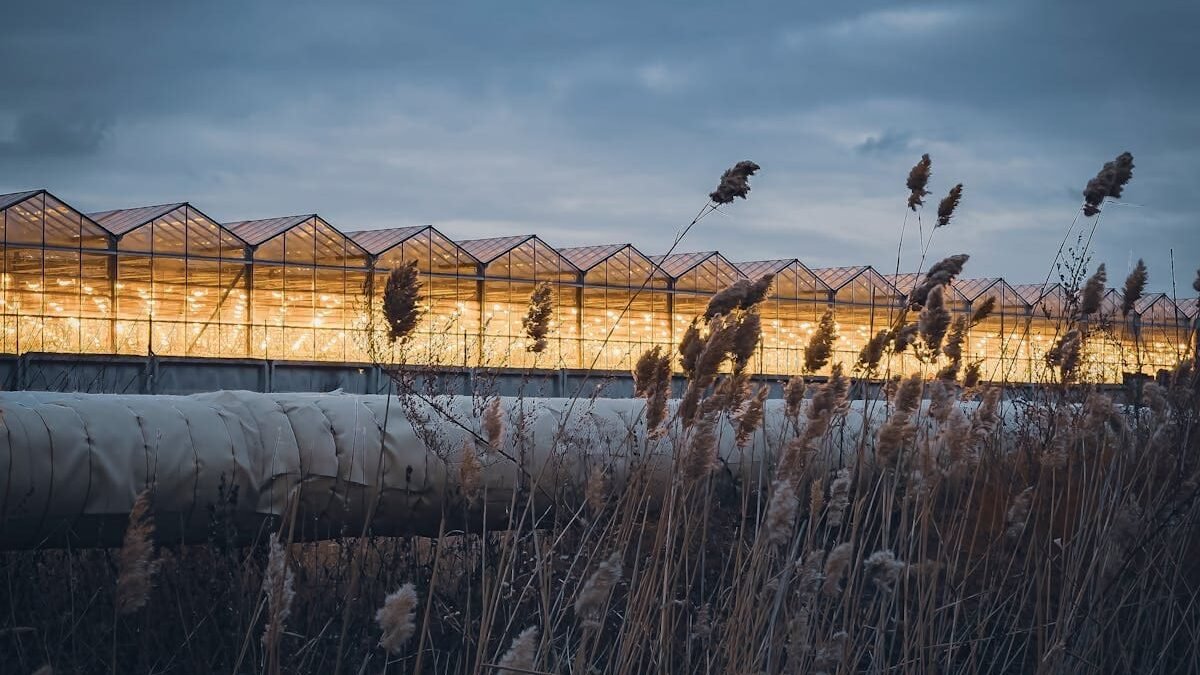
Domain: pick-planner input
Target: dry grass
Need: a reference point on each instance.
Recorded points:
(960, 530)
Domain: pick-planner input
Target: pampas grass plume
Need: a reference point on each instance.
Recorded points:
(537, 317)
(735, 182)
(1093, 292)
(593, 597)
(1135, 285)
(918, 178)
(396, 618)
(277, 585)
(401, 301)
(948, 205)
(820, 346)
(519, 657)
(493, 425)
(136, 564)
(1110, 182)
(781, 512)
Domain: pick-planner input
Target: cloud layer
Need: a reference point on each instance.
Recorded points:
(612, 121)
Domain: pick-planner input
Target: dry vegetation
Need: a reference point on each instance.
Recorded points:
(966, 531)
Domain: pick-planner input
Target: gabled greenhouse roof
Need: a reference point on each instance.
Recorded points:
(838, 278)
(378, 241)
(587, 257)
(1189, 307)
(255, 232)
(17, 197)
(120, 221)
(905, 283)
(1034, 293)
(433, 251)
(757, 268)
(805, 280)
(679, 264)
(57, 225)
(1147, 302)
(489, 251)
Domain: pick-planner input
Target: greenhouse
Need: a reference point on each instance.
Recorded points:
(169, 280)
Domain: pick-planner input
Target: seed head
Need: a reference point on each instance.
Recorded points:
(872, 352)
(745, 338)
(793, 395)
(1093, 292)
(596, 491)
(470, 473)
(781, 513)
(971, 375)
(652, 381)
(750, 416)
(701, 455)
(839, 498)
(1065, 354)
(136, 565)
(735, 182)
(1135, 285)
(947, 206)
(396, 618)
(918, 178)
(519, 657)
(493, 425)
(1108, 183)
(835, 568)
(820, 345)
(942, 273)
(741, 294)
(277, 585)
(883, 569)
(934, 320)
(537, 317)
(401, 301)
(903, 337)
(593, 597)
(984, 310)
(690, 346)
(956, 339)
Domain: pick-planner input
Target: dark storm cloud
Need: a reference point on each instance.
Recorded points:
(611, 121)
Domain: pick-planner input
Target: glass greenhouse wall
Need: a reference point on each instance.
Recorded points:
(169, 280)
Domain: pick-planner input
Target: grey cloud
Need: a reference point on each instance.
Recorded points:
(54, 135)
(885, 143)
(611, 121)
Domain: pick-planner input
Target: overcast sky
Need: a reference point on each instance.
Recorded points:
(611, 122)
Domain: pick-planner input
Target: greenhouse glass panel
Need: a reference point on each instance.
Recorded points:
(23, 222)
(300, 244)
(61, 328)
(299, 313)
(204, 294)
(997, 342)
(329, 314)
(233, 308)
(169, 307)
(170, 233)
(95, 305)
(618, 322)
(134, 303)
(62, 224)
(267, 311)
(795, 304)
